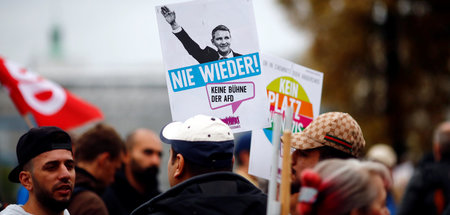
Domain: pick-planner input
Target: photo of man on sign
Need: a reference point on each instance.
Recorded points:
(221, 39)
(205, 31)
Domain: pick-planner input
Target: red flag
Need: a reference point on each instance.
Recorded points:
(48, 102)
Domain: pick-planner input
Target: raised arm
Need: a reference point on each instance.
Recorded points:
(170, 17)
(207, 54)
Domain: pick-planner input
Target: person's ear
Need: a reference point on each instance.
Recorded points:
(26, 180)
(294, 156)
(103, 158)
(179, 166)
(245, 157)
(126, 157)
(436, 152)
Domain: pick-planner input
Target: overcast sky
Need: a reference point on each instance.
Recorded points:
(117, 33)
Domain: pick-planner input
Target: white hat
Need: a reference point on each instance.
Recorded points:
(382, 153)
(204, 140)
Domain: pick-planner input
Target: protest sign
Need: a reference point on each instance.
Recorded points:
(212, 62)
(287, 85)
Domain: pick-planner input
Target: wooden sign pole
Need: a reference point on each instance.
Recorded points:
(286, 170)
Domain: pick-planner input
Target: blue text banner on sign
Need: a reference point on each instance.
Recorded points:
(215, 72)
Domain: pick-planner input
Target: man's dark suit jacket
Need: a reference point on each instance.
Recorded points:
(205, 55)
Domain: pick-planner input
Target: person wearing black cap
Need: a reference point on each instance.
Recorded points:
(199, 172)
(46, 170)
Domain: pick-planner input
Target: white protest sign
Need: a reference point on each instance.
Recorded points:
(287, 84)
(212, 62)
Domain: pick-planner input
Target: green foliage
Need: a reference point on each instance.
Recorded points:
(385, 62)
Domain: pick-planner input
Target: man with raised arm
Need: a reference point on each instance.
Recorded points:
(221, 39)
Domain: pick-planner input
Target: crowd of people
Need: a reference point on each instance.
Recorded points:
(100, 173)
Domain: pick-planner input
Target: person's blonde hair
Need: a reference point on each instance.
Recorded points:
(343, 185)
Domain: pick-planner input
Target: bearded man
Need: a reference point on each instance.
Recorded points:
(46, 170)
(137, 182)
